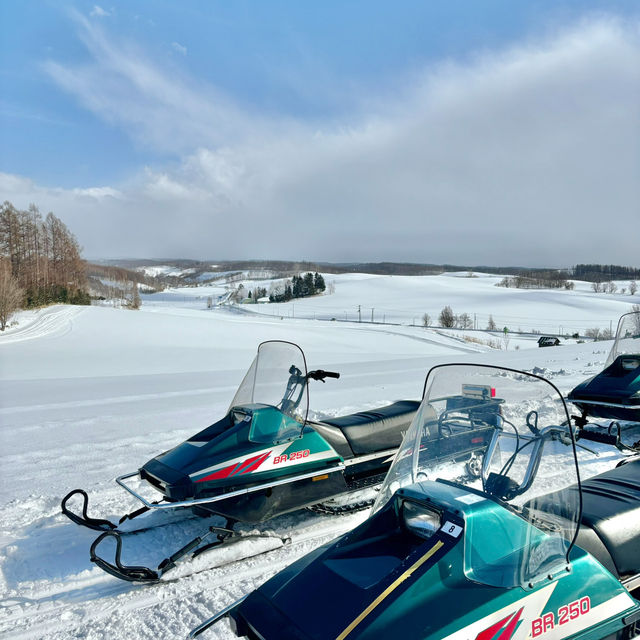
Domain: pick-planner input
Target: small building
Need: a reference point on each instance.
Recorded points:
(548, 341)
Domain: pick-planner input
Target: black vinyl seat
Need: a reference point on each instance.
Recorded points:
(610, 526)
(377, 429)
(611, 510)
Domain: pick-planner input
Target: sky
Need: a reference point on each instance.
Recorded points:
(469, 132)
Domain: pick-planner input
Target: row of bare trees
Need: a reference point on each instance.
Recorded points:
(40, 257)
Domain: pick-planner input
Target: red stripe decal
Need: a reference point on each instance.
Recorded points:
(246, 463)
(496, 632)
(222, 473)
(257, 463)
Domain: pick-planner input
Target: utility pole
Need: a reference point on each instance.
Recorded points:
(372, 315)
(359, 316)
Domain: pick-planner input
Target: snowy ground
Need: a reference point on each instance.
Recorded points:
(87, 394)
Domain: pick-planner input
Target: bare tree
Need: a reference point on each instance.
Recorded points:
(633, 287)
(612, 287)
(593, 333)
(135, 296)
(491, 325)
(465, 321)
(426, 320)
(11, 295)
(446, 318)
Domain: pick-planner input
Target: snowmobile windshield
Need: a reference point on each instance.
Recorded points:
(627, 340)
(277, 378)
(503, 434)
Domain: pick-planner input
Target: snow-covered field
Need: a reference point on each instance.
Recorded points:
(87, 394)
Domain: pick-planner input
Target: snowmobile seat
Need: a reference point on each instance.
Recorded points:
(611, 510)
(610, 526)
(376, 429)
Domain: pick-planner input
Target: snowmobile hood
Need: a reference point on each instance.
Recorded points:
(618, 383)
(383, 577)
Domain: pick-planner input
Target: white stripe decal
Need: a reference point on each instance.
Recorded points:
(227, 463)
(598, 614)
(267, 464)
(533, 605)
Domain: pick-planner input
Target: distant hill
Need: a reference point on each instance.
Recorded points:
(185, 270)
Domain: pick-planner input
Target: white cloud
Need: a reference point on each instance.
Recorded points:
(99, 12)
(181, 49)
(157, 105)
(520, 157)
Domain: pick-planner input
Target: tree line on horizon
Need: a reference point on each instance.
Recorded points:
(604, 272)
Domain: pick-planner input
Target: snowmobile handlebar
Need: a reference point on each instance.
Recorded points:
(320, 374)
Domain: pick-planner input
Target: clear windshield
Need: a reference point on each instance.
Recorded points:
(502, 433)
(276, 377)
(627, 337)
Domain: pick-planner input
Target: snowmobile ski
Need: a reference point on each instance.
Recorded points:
(192, 549)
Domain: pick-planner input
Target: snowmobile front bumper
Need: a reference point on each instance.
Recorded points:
(105, 525)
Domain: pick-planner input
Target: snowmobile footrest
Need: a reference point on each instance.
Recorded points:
(84, 520)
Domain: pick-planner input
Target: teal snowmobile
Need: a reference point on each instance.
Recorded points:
(527, 550)
(614, 393)
(263, 459)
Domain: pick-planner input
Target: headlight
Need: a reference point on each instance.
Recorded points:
(420, 520)
(629, 364)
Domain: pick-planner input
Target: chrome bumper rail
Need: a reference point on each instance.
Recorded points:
(224, 496)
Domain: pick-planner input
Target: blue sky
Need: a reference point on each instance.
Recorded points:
(197, 117)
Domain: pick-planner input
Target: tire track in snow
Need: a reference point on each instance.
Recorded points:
(51, 321)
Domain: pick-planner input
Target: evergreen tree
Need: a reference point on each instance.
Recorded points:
(318, 283)
(308, 284)
(297, 286)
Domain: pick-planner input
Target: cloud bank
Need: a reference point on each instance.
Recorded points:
(528, 156)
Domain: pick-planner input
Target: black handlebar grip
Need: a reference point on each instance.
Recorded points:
(595, 436)
(320, 374)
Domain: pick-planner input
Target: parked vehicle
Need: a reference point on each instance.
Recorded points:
(264, 458)
(614, 393)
